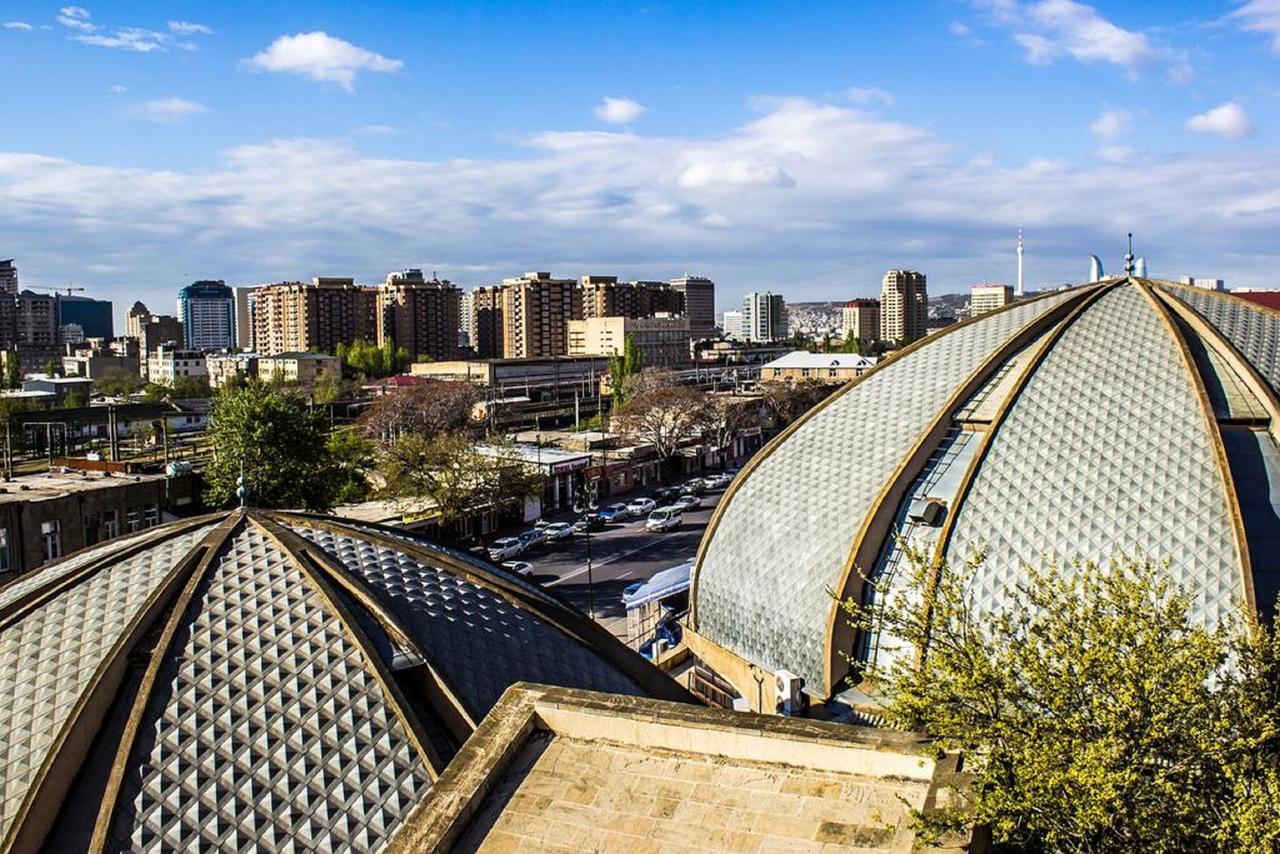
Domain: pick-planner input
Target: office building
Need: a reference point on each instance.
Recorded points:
(605, 296)
(904, 306)
(8, 277)
(244, 315)
(293, 317)
(419, 315)
(764, 317)
(487, 331)
(207, 310)
(861, 319)
(663, 341)
(734, 326)
(536, 310)
(984, 298)
(699, 295)
(93, 316)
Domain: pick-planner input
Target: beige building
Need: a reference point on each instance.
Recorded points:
(221, 367)
(293, 317)
(861, 318)
(536, 310)
(827, 367)
(904, 306)
(663, 341)
(422, 316)
(984, 298)
(605, 296)
(302, 368)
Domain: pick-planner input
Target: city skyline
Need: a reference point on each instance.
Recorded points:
(143, 152)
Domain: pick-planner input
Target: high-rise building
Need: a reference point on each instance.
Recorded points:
(764, 317)
(861, 318)
(536, 310)
(136, 319)
(207, 310)
(94, 316)
(984, 298)
(699, 302)
(293, 317)
(8, 277)
(734, 327)
(605, 296)
(244, 315)
(486, 322)
(904, 306)
(421, 316)
(467, 321)
(36, 320)
(663, 341)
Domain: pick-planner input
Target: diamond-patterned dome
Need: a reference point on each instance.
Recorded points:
(264, 682)
(1125, 415)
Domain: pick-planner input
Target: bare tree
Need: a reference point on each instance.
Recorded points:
(665, 416)
(430, 408)
(787, 401)
(725, 414)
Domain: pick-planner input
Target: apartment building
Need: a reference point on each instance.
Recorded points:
(8, 277)
(904, 306)
(208, 313)
(486, 332)
(422, 316)
(536, 310)
(303, 368)
(35, 320)
(244, 315)
(294, 317)
(166, 363)
(605, 296)
(699, 297)
(663, 340)
(984, 298)
(861, 318)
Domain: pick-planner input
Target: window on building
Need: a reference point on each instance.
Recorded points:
(110, 526)
(133, 519)
(51, 539)
(151, 515)
(832, 372)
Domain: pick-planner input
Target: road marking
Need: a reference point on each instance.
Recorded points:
(596, 564)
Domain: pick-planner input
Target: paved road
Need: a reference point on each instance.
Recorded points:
(620, 555)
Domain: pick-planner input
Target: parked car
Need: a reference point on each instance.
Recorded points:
(558, 531)
(532, 538)
(666, 494)
(641, 506)
(519, 567)
(615, 513)
(663, 519)
(589, 522)
(540, 524)
(718, 481)
(693, 487)
(687, 502)
(505, 548)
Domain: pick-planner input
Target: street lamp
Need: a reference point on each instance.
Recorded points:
(586, 499)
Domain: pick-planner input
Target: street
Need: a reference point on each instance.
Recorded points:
(620, 554)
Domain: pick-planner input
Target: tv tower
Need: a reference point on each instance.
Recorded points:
(1019, 292)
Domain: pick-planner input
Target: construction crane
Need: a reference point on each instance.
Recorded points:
(69, 289)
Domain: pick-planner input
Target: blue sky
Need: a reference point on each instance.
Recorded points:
(801, 147)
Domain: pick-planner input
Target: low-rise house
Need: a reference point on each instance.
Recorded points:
(221, 367)
(165, 364)
(302, 368)
(825, 367)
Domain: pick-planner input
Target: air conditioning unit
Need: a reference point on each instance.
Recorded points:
(788, 687)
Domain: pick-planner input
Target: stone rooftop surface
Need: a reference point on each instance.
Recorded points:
(35, 487)
(554, 769)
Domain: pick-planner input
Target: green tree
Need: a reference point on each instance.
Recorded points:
(117, 382)
(186, 388)
(53, 368)
(12, 371)
(281, 445)
(1094, 712)
(74, 400)
(622, 367)
(365, 358)
(448, 474)
(852, 344)
(353, 459)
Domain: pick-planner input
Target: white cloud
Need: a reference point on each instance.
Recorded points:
(1228, 121)
(1115, 153)
(1049, 30)
(824, 195)
(376, 130)
(133, 39)
(1260, 16)
(320, 56)
(117, 89)
(168, 110)
(618, 111)
(17, 25)
(870, 95)
(77, 18)
(1112, 124)
(965, 34)
(186, 28)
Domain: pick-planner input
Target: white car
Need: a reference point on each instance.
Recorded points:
(558, 531)
(663, 519)
(505, 548)
(519, 567)
(687, 502)
(641, 506)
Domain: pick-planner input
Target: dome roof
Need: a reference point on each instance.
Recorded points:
(1130, 414)
(263, 680)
